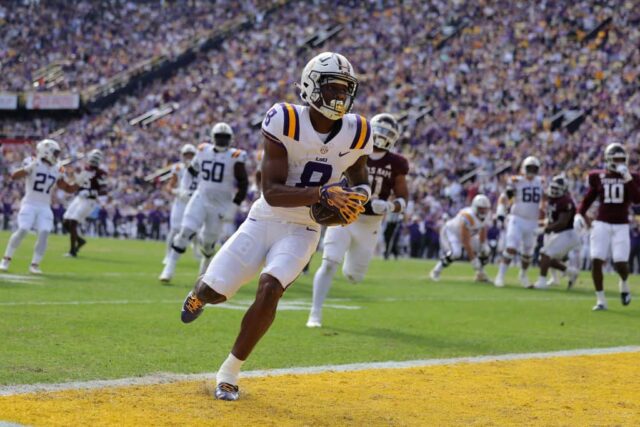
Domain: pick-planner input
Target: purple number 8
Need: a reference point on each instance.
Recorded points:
(270, 114)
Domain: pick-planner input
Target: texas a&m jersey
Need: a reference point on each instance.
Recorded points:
(215, 169)
(527, 196)
(312, 162)
(558, 205)
(382, 176)
(614, 196)
(92, 181)
(40, 182)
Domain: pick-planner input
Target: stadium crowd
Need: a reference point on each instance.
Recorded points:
(492, 73)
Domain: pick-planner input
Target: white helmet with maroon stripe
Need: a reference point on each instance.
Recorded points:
(386, 131)
(615, 154)
(319, 80)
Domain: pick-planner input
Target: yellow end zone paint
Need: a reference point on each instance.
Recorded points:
(582, 390)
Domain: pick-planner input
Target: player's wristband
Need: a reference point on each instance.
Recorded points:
(403, 204)
(364, 189)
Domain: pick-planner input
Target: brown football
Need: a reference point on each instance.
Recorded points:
(325, 216)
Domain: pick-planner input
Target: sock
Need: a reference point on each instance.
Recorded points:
(601, 298)
(439, 266)
(523, 271)
(230, 370)
(321, 284)
(624, 286)
(502, 269)
(14, 242)
(40, 248)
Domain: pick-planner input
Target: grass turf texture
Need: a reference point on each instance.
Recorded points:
(127, 324)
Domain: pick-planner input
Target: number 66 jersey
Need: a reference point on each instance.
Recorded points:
(313, 159)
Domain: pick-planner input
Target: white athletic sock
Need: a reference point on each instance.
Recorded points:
(40, 248)
(321, 284)
(14, 242)
(439, 266)
(624, 286)
(230, 370)
(601, 298)
(502, 269)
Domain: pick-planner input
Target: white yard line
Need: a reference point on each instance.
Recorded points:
(163, 378)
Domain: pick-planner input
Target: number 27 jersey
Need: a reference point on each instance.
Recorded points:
(39, 185)
(312, 162)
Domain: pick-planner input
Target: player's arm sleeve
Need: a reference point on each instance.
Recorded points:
(590, 197)
(194, 166)
(242, 179)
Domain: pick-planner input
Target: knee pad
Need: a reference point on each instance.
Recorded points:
(447, 259)
(208, 249)
(507, 255)
(526, 258)
(181, 240)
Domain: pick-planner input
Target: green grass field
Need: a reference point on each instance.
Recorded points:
(105, 315)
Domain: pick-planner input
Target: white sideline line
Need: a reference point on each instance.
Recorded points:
(163, 378)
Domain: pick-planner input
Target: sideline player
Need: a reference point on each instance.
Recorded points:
(218, 169)
(307, 150)
(356, 243)
(40, 174)
(468, 231)
(560, 237)
(182, 185)
(526, 191)
(615, 188)
(93, 183)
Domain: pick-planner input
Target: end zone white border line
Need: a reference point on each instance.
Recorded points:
(163, 378)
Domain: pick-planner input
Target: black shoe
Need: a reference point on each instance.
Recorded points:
(81, 243)
(226, 391)
(191, 308)
(625, 297)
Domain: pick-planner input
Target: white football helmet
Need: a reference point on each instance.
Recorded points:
(48, 150)
(386, 131)
(323, 70)
(481, 206)
(221, 136)
(531, 166)
(615, 154)
(188, 149)
(94, 157)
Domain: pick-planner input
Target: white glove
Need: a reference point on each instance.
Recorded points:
(485, 250)
(380, 207)
(623, 170)
(476, 264)
(579, 223)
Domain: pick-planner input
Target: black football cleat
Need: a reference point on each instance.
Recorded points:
(192, 308)
(625, 297)
(81, 243)
(226, 391)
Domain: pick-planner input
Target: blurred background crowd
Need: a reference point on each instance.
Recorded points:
(493, 77)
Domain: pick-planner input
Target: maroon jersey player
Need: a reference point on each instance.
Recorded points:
(616, 189)
(355, 244)
(560, 237)
(93, 183)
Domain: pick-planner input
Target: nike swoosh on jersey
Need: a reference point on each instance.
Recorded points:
(343, 154)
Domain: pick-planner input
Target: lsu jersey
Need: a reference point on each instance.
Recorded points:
(216, 178)
(186, 181)
(312, 161)
(468, 219)
(527, 197)
(40, 182)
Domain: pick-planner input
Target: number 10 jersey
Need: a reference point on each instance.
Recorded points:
(312, 162)
(614, 196)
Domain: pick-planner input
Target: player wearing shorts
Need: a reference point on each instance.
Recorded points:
(41, 174)
(468, 231)
(222, 185)
(356, 243)
(616, 189)
(527, 193)
(182, 185)
(307, 149)
(560, 238)
(93, 183)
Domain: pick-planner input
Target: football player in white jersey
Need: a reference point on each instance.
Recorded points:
(182, 185)
(222, 185)
(468, 231)
(307, 149)
(526, 192)
(41, 174)
(355, 243)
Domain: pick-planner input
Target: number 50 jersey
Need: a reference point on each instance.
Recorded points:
(39, 184)
(312, 161)
(216, 178)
